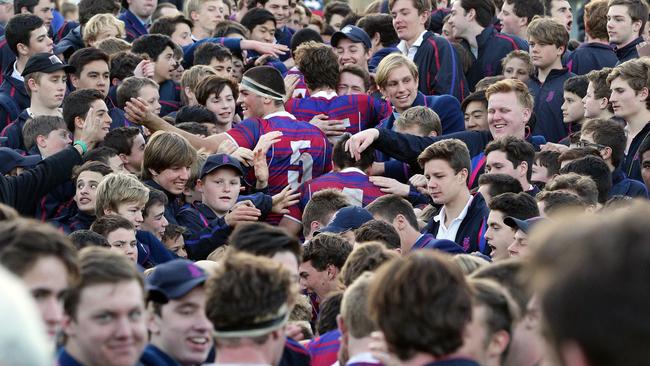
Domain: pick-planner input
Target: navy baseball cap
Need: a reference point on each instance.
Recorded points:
(524, 225)
(174, 279)
(353, 33)
(10, 159)
(47, 63)
(347, 218)
(220, 160)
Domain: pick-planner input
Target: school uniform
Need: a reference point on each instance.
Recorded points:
(376, 57)
(437, 18)
(7, 58)
(151, 251)
(466, 229)
(294, 354)
(492, 48)
(133, 26)
(549, 97)
(13, 97)
(232, 44)
(591, 56)
(70, 43)
(628, 52)
(170, 97)
(324, 348)
(73, 221)
(631, 165)
(14, 132)
(173, 207)
(453, 362)
(624, 186)
(57, 202)
(62, 31)
(354, 183)
(65, 359)
(358, 112)
(154, 356)
(428, 241)
(283, 36)
(300, 91)
(439, 67)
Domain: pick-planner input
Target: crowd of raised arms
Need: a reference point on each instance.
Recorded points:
(324, 183)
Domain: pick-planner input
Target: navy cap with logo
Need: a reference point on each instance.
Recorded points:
(524, 225)
(347, 218)
(353, 33)
(220, 160)
(10, 159)
(174, 279)
(47, 63)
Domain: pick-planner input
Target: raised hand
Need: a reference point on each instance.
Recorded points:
(145, 69)
(329, 127)
(360, 141)
(242, 213)
(390, 185)
(285, 199)
(94, 129)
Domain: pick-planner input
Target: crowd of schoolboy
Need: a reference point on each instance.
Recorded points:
(279, 182)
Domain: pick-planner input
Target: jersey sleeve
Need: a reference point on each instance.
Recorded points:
(245, 134)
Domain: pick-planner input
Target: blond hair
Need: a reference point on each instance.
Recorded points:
(390, 63)
(192, 77)
(118, 188)
(99, 23)
(512, 85)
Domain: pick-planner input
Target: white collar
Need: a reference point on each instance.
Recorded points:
(364, 357)
(325, 94)
(16, 75)
(418, 42)
(352, 170)
(279, 114)
(440, 216)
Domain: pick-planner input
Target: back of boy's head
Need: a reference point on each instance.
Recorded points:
(86, 238)
(130, 88)
(424, 118)
(608, 133)
(152, 45)
(549, 160)
(596, 19)
(577, 85)
(322, 205)
(121, 139)
(166, 150)
(595, 168)
(303, 36)
(204, 53)
(195, 113)
(118, 188)
(89, 8)
(84, 56)
(264, 240)
(499, 184)
(341, 158)
(582, 185)
(77, 104)
(547, 30)
(485, 10)
(19, 28)
(381, 24)
(107, 224)
(378, 231)
(526, 8)
(390, 206)
(100, 154)
(122, 65)
(41, 126)
(167, 25)
(318, 64)
(520, 205)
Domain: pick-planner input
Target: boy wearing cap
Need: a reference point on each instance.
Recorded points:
(519, 247)
(499, 236)
(12, 163)
(352, 46)
(181, 334)
(45, 82)
(345, 221)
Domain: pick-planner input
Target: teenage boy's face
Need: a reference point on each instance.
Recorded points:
(476, 116)
(209, 15)
(222, 68)
(519, 246)
(142, 8)
(496, 162)
(443, 183)
(223, 105)
(542, 54)
(561, 11)
(620, 28)
(40, 42)
(100, 111)
(109, 327)
(401, 88)
(133, 161)
(251, 103)
(591, 105)
(626, 101)
(512, 24)
(540, 173)
(173, 179)
(350, 84)
(86, 190)
(516, 69)
(177, 246)
(131, 211)
(220, 190)
(151, 95)
(458, 19)
(47, 280)
(155, 222)
(264, 32)
(237, 69)
(499, 236)
(280, 10)
(165, 65)
(182, 329)
(182, 35)
(94, 75)
(645, 168)
(43, 10)
(407, 22)
(56, 141)
(506, 117)
(123, 241)
(572, 109)
(51, 89)
(352, 53)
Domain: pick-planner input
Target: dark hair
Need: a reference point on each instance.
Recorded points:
(358, 71)
(595, 168)
(303, 36)
(19, 29)
(549, 160)
(172, 232)
(77, 104)
(28, 4)
(255, 17)
(25, 241)
(167, 25)
(382, 24)
(509, 274)
(195, 113)
(527, 8)
(365, 257)
(577, 85)
(156, 197)
(101, 154)
(499, 184)
(520, 205)
(391, 205)
(336, 7)
(321, 206)
(84, 56)
(152, 44)
(555, 201)
(318, 64)
(342, 159)
(122, 65)
(263, 239)
(195, 128)
(269, 77)
(427, 291)
(516, 150)
(204, 53)
(577, 153)
(607, 133)
(376, 230)
(86, 238)
(226, 27)
(90, 8)
(121, 139)
(645, 146)
(485, 10)
(326, 249)
(108, 223)
(91, 166)
(478, 96)
(214, 84)
(328, 310)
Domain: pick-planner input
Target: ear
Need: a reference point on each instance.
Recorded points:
(376, 39)
(332, 271)
(199, 185)
(109, 211)
(399, 222)
(526, 113)
(433, 134)
(636, 26)
(523, 168)
(24, 10)
(561, 49)
(153, 172)
(153, 321)
(463, 175)
(606, 153)
(471, 14)
(341, 324)
(68, 326)
(33, 85)
(22, 49)
(41, 141)
(644, 93)
(73, 78)
(315, 225)
(424, 16)
(572, 354)
(603, 103)
(79, 123)
(124, 158)
(498, 343)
